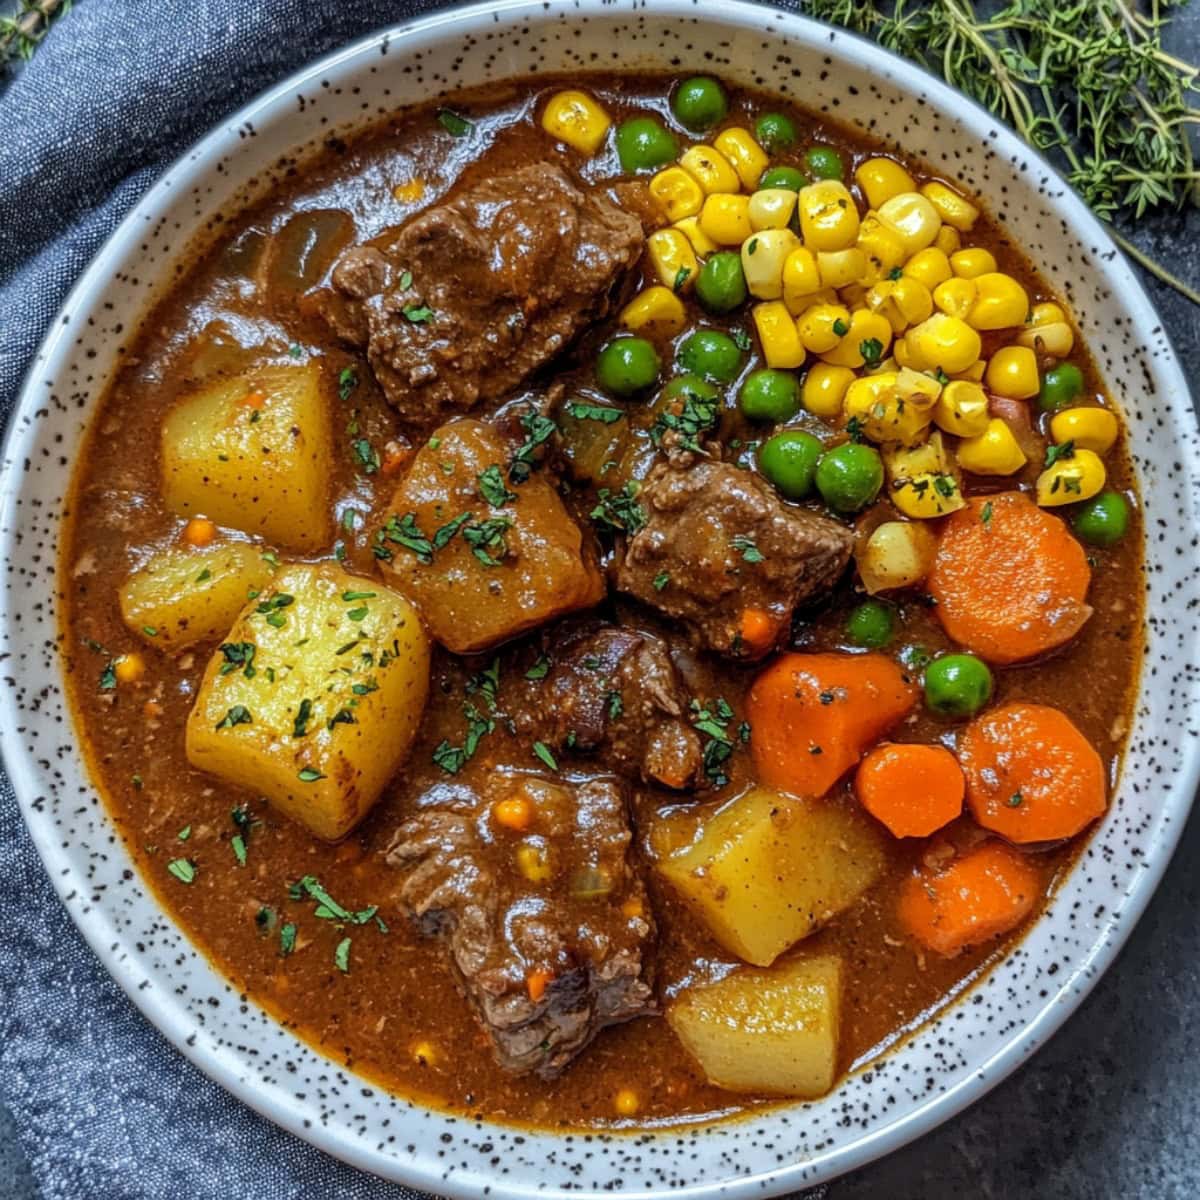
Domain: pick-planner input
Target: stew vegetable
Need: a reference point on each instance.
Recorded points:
(606, 603)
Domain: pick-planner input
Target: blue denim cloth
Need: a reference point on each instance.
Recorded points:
(105, 1107)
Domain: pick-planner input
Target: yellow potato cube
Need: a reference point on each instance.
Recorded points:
(315, 698)
(255, 454)
(184, 595)
(766, 1031)
(768, 870)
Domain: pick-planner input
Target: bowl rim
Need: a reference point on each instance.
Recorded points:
(423, 1173)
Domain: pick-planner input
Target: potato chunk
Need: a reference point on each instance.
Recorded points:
(482, 572)
(766, 1031)
(183, 596)
(314, 699)
(767, 870)
(254, 453)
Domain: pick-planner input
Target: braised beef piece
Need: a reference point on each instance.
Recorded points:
(718, 543)
(548, 930)
(460, 304)
(615, 692)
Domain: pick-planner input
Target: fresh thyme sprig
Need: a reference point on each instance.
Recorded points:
(20, 34)
(1086, 81)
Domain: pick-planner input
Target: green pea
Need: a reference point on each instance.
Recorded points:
(770, 395)
(644, 145)
(711, 353)
(1060, 386)
(872, 624)
(957, 685)
(849, 476)
(721, 286)
(782, 177)
(699, 103)
(1103, 520)
(626, 366)
(775, 132)
(689, 385)
(789, 461)
(824, 162)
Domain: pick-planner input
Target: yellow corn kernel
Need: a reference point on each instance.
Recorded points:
(929, 458)
(852, 295)
(533, 861)
(710, 169)
(828, 217)
(1046, 313)
(883, 247)
(882, 178)
(701, 243)
(948, 240)
(956, 297)
(129, 668)
(962, 409)
(942, 343)
(670, 253)
(913, 218)
(1013, 371)
(409, 192)
(657, 311)
(824, 389)
(841, 268)
(974, 373)
(777, 334)
(772, 208)
(1001, 303)
(912, 300)
(1093, 429)
(868, 330)
(995, 451)
(927, 496)
(726, 219)
(626, 1103)
(878, 298)
(801, 280)
(825, 296)
(822, 326)
(929, 266)
(972, 262)
(749, 159)
(677, 193)
(882, 413)
(763, 256)
(902, 355)
(954, 209)
(1056, 340)
(575, 118)
(1077, 475)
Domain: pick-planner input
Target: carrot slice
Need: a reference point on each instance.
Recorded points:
(913, 789)
(812, 716)
(1031, 775)
(758, 630)
(1009, 579)
(983, 893)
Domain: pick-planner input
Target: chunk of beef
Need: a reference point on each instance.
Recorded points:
(721, 552)
(460, 304)
(614, 691)
(548, 930)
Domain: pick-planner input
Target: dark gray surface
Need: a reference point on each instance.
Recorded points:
(1111, 1107)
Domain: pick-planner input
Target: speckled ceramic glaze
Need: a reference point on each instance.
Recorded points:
(958, 1055)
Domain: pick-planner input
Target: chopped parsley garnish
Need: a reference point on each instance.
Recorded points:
(490, 483)
(183, 869)
(985, 515)
(872, 351)
(661, 580)
(149, 631)
(619, 511)
(941, 377)
(453, 124)
(486, 683)
(1015, 800)
(108, 676)
(741, 339)
(681, 277)
(895, 273)
(697, 414)
(944, 485)
(271, 559)
(239, 714)
(444, 534)
(350, 597)
(303, 715)
(616, 706)
(341, 956)
(366, 455)
(539, 670)
(358, 614)
(713, 720)
(418, 314)
(583, 411)
(854, 430)
(1062, 450)
(204, 576)
(294, 351)
(538, 431)
(343, 716)
(750, 552)
(347, 382)
(406, 278)
(184, 833)
(309, 775)
(287, 939)
(238, 844)
(542, 752)
(403, 531)
(328, 909)
(452, 759)
(840, 327)
(487, 541)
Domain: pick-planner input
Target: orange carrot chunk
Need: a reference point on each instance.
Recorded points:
(913, 789)
(1009, 579)
(536, 982)
(758, 629)
(812, 716)
(983, 893)
(1031, 775)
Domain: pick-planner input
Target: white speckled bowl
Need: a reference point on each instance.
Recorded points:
(957, 1056)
